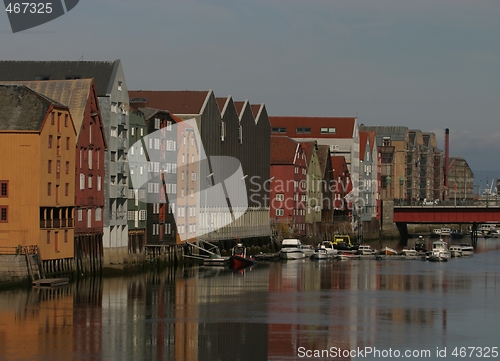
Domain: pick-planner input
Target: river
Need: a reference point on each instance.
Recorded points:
(295, 310)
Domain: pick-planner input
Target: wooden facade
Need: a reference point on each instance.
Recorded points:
(288, 187)
(37, 143)
(81, 97)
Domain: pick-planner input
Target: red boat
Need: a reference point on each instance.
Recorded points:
(239, 258)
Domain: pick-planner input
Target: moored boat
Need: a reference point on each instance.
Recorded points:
(388, 251)
(365, 249)
(409, 252)
(320, 254)
(440, 252)
(329, 248)
(467, 249)
(456, 251)
(291, 248)
(239, 258)
(307, 249)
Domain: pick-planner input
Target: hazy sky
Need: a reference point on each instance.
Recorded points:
(425, 64)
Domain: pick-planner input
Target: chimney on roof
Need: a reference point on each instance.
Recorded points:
(136, 103)
(446, 156)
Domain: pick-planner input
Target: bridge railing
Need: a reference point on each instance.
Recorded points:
(448, 203)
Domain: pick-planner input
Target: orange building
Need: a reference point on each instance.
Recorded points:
(37, 173)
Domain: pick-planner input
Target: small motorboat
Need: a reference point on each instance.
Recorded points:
(365, 249)
(409, 252)
(239, 258)
(467, 249)
(320, 254)
(440, 252)
(291, 248)
(456, 251)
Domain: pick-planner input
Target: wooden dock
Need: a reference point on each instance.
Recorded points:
(50, 282)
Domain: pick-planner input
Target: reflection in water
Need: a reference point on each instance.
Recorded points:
(263, 313)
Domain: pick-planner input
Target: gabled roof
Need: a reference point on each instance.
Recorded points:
(221, 103)
(256, 108)
(73, 93)
(338, 162)
(364, 138)
(103, 72)
(323, 153)
(150, 112)
(309, 149)
(239, 106)
(177, 102)
(283, 150)
(344, 126)
(22, 108)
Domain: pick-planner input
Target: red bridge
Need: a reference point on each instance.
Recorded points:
(444, 214)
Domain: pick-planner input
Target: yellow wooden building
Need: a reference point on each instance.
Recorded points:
(37, 173)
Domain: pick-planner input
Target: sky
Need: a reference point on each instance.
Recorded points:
(426, 64)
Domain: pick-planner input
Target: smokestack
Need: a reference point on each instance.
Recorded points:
(446, 155)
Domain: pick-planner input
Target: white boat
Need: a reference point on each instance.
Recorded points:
(307, 249)
(467, 249)
(440, 252)
(291, 249)
(329, 247)
(409, 252)
(456, 251)
(320, 254)
(445, 231)
(365, 249)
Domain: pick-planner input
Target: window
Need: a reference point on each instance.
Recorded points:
(193, 176)
(4, 214)
(66, 120)
(240, 134)
(114, 108)
(66, 189)
(328, 130)
(4, 189)
(98, 183)
(280, 212)
(49, 166)
(222, 131)
(80, 214)
(303, 130)
(82, 181)
(280, 197)
(52, 118)
(49, 189)
(67, 143)
(157, 123)
(119, 85)
(90, 158)
(67, 167)
(278, 130)
(50, 141)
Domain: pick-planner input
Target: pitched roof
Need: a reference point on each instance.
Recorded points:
(73, 93)
(323, 153)
(239, 107)
(221, 102)
(177, 102)
(283, 150)
(344, 126)
(22, 108)
(309, 149)
(102, 71)
(149, 112)
(338, 162)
